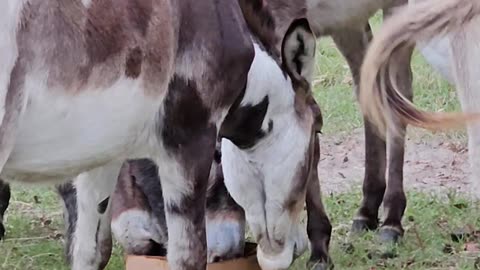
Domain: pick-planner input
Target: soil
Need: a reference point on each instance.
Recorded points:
(436, 164)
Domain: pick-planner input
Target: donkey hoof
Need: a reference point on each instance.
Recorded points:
(320, 265)
(390, 235)
(2, 231)
(362, 225)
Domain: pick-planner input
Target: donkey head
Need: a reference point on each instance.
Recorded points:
(139, 224)
(268, 144)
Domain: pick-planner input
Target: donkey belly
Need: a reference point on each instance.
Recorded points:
(62, 134)
(330, 15)
(437, 53)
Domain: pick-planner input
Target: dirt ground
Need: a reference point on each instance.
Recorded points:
(434, 164)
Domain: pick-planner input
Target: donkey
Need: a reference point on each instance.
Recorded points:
(138, 221)
(4, 201)
(89, 84)
(437, 53)
(458, 21)
(138, 214)
(346, 21)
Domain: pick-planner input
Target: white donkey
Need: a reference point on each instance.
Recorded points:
(458, 23)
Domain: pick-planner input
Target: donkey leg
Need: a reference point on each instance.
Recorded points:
(353, 44)
(68, 193)
(473, 130)
(4, 201)
(319, 228)
(184, 180)
(395, 201)
(87, 217)
(187, 138)
(466, 71)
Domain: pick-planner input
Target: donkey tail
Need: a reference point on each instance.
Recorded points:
(419, 22)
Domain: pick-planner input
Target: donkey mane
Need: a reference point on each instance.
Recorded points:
(261, 24)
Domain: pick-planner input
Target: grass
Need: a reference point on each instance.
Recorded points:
(35, 226)
(429, 221)
(35, 230)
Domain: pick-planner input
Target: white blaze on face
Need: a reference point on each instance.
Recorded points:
(260, 179)
(265, 78)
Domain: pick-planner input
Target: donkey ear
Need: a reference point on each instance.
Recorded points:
(298, 50)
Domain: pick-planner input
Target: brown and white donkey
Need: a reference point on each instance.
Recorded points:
(138, 221)
(138, 214)
(86, 85)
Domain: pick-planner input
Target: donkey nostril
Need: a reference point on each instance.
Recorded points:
(280, 243)
(216, 259)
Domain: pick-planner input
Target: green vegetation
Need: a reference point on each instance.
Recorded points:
(35, 226)
(429, 222)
